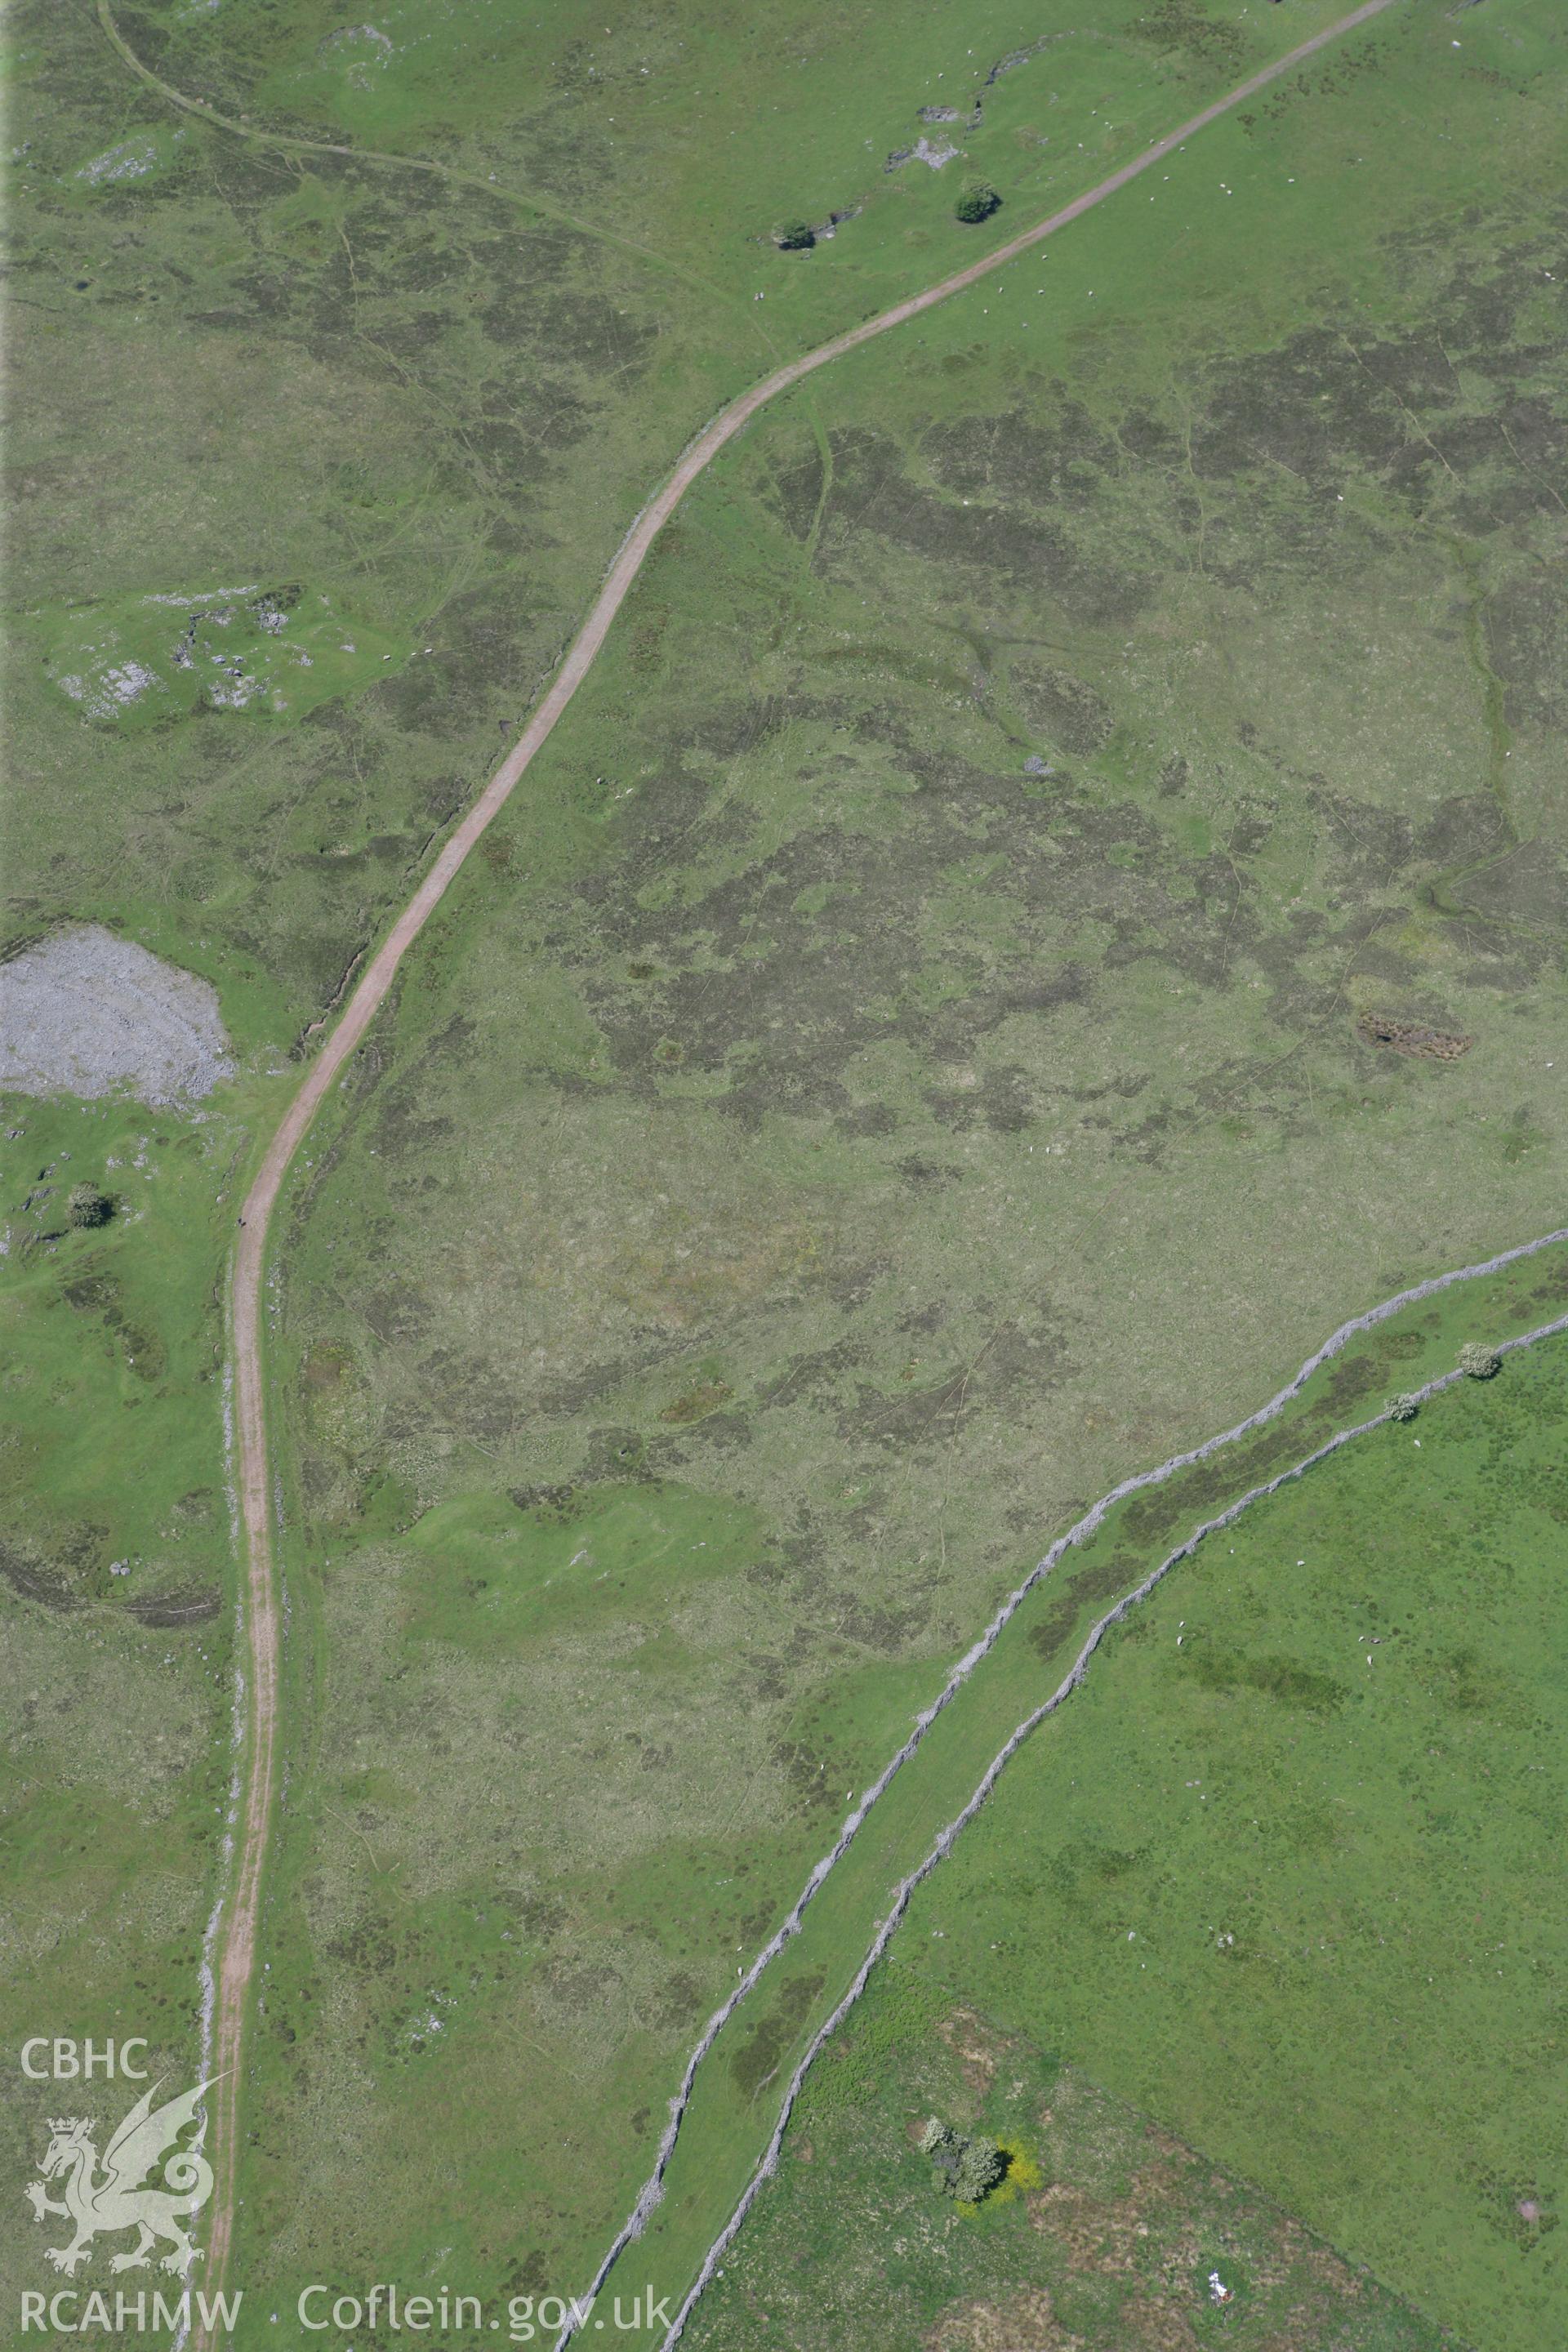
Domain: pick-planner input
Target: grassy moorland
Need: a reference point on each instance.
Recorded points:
(910, 1053)
(434, 397)
(1281, 1875)
(910, 1056)
(314, 461)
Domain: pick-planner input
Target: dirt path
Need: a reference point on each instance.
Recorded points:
(248, 1292)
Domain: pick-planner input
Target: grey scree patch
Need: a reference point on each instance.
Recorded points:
(84, 1013)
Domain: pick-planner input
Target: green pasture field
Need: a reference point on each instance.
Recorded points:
(1106, 2235)
(730, 2117)
(907, 1058)
(1282, 1875)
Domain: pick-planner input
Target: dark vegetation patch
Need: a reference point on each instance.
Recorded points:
(1063, 708)
(758, 2058)
(1015, 1361)
(1048, 1634)
(1184, 27)
(1468, 828)
(819, 988)
(796, 492)
(1219, 1667)
(815, 1789)
(696, 1403)
(35, 1581)
(1031, 554)
(678, 2002)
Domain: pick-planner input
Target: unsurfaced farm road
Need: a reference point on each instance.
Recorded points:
(241, 1918)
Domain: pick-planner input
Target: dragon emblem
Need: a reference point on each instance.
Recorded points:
(114, 2200)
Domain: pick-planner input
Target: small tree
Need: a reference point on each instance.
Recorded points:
(945, 2148)
(88, 1206)
(966, 2169)
(795, 236)
(1478, 1361)
(1405, 1408)
(977, 200)
(980, 2168)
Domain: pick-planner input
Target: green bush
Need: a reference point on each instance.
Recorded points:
(964, 2167)
(977, 201)
(1478, 1360)
(88, 1206)
(795, 236)
(980, 2168)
